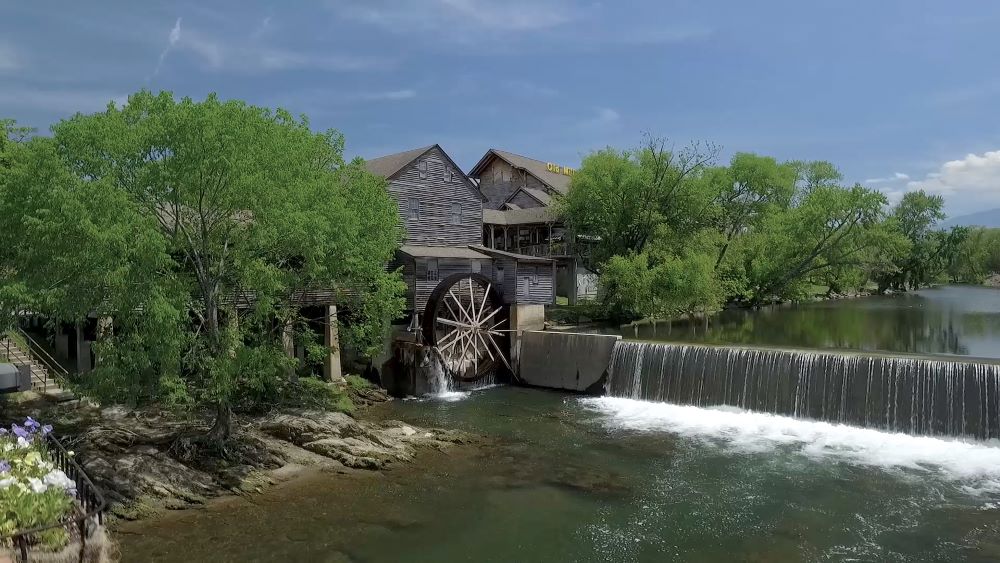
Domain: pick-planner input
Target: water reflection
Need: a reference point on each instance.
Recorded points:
(956, 320)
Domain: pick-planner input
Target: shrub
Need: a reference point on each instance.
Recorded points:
(33, 492)
(313, 393)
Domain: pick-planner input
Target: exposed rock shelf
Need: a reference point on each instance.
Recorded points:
(147, 461)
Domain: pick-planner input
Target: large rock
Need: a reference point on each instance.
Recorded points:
(352, 443)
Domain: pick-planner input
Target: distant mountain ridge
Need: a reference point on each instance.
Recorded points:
(989, 218)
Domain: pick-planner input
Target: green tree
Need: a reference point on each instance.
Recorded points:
(754, 187)
(831, 231)
(201, 226)
(625, 197)
(916, 216)
(977, 257)
(13, 295)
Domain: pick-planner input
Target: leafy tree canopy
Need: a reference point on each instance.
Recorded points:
(200, 229)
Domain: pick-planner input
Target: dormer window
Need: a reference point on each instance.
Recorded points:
(422, 167)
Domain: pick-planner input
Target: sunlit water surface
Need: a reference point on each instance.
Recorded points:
(605, 479)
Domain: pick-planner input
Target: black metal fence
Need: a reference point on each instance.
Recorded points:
(80, 524)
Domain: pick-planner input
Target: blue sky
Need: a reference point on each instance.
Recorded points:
(900, 94)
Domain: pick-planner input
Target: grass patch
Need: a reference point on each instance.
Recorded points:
(313, 393)
(359, 383)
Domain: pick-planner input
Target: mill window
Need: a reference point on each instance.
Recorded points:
(413, 209)
(456, 214)
(422, 167)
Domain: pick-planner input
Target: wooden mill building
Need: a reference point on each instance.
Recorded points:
(442, 213)
(519, 216)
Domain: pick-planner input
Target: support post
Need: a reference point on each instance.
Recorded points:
(332, 370)
(104, 330)
(288, 343)
(83, 363)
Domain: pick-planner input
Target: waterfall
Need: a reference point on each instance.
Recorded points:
(895, 393)
(439, 380)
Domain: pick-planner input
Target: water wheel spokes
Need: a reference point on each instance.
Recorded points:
(465, 320)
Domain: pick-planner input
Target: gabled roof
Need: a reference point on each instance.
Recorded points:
(391, 164)
(537, 168)
(534, 193)
(387, 166)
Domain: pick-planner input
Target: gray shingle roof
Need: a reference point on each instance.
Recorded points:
(537, 168)
(441, 252)
(386, 166)
(540, 195)
(519, 216)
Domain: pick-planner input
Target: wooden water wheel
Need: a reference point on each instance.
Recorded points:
(466, 320)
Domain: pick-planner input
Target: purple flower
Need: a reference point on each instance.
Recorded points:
(4, 432)
(31, 424)
(20, 432)
(4, 466)
(46, 429)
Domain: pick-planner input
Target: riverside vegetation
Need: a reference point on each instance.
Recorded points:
(195, 227)
(677, 234)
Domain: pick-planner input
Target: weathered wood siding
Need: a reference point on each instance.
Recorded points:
(424, 283)
(505, 277)
(436, 196)
(535, 283)
(500, 180)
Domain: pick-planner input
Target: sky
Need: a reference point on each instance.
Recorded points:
(899, 94)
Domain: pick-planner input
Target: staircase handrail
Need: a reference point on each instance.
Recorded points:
(37, 353)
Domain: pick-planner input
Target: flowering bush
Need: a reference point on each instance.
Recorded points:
(33, 492)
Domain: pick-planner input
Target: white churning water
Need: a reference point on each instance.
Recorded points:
(942, 397)
(973, 465)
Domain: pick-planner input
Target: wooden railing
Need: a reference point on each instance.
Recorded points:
(555, 249)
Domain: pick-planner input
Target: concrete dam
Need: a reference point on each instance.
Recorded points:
(932, 396)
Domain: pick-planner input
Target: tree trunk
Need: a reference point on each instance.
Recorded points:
(221, 429)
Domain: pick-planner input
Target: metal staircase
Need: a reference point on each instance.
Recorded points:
(46, 373)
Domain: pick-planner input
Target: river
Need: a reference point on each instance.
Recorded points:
(571, 478)
(947, 320)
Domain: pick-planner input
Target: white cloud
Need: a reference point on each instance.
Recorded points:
(458, 20)
(172, 38)
(603, 118)
(607, 116)
(896, 177)
(531, 90)
(392, 95)
(968, 184)
(512, 16)
(248, 55)
(665, 34)
(9, 59)
(279, 59)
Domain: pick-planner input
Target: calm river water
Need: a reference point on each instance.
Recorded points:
(954, 320)
(571, 478)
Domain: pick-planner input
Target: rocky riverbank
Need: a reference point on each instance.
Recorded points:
(146, 461)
